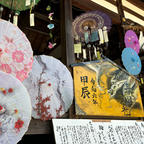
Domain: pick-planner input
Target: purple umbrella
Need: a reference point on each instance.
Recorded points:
(93, 20)
(131, 40)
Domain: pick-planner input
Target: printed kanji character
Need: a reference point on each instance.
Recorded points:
(85, 92)
(84, 79)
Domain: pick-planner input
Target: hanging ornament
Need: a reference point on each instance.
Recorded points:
(48, 8)
(51, 45)
(50, 26)
(50, 16)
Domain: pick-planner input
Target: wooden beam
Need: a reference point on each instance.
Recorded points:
(137, 3)
(88, 5)
(67, 41)
(133, 13)
(36, 30)
(135, 28)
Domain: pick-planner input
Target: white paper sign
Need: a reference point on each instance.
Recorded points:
(15, 20)
(27, 2)
(100, 32)
(73, 131)
(32, 22)
(105, 34)
(68, 131)
(84, 54)
(141, 40)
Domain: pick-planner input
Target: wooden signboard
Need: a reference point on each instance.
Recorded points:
(102, 89)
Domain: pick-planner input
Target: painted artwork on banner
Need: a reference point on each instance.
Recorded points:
(103, 89)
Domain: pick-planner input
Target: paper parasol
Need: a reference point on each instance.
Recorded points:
(19, 5)
(16, 55)
(131, 61)
(93, 19)
(50, 86)
(15, 107)
(131, 40)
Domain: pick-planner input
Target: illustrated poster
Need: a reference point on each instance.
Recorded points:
(102, 89)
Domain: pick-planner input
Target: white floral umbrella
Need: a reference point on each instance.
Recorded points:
(16, 55)
(15, 109)
(50, 86)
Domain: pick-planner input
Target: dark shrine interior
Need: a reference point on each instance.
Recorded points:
(39, 37)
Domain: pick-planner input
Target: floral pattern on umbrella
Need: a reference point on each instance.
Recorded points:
(16, 55)
(50, 86)
(15, 109)
(131, 40)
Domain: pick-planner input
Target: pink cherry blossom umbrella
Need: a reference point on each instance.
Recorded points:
(16, 55)
(131, 40)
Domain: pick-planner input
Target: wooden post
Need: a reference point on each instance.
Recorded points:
(120, 10)
(67, 41)
(66, 32)
(122, 20)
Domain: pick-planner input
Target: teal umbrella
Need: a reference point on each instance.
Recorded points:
(131, 61)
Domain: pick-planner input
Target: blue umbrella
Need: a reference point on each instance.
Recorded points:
(131, 61)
